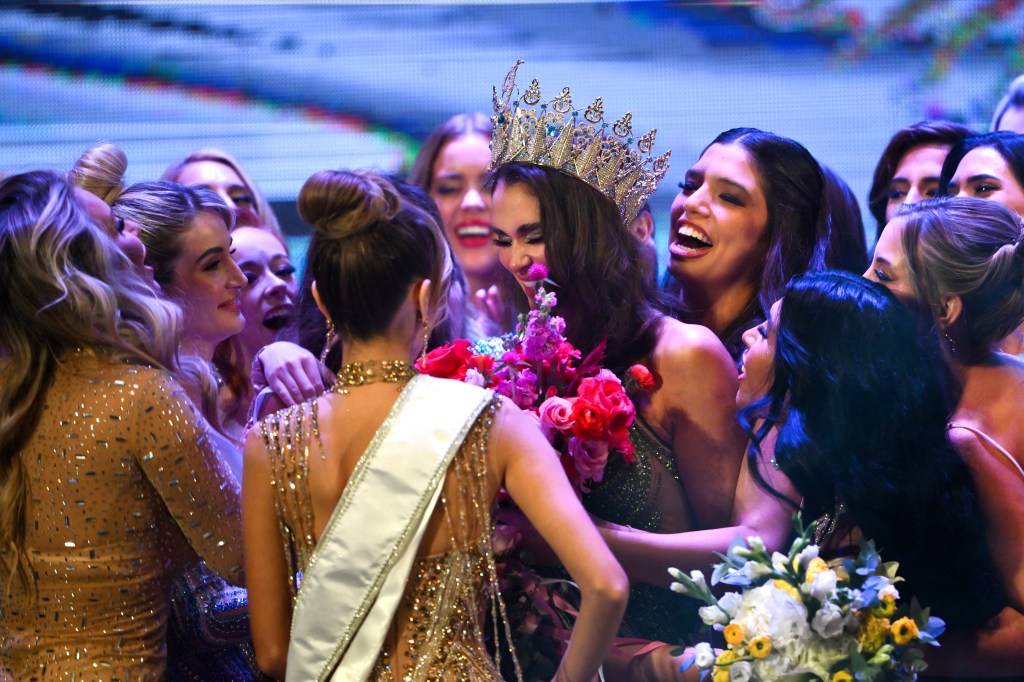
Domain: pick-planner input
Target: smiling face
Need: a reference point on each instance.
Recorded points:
(518, 233)
(206, 284)
(756, 372)
(271, 289)
(983, 173)
(225, 182)
(889, 265)
(456, 186)
(916, 177)
(719, 220)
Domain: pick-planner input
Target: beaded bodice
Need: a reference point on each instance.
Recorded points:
(647, 494)
(437, 633)
(125, 488)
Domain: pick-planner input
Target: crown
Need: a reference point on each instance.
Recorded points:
(554, 135)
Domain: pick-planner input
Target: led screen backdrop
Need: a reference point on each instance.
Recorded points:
(291, 88)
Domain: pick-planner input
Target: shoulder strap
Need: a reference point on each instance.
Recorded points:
(988, 439)
(358, 571)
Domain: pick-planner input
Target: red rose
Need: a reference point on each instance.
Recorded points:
(644, 378)
(447, 362)
(604, 394)
(590, 422)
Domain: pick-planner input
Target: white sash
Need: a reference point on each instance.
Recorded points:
(357, 573)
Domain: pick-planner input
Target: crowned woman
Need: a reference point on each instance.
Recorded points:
(367, 511)
(565, 187)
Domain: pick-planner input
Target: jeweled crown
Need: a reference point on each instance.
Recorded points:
(603, 155)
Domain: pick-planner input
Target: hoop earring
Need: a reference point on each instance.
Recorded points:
(329, 342)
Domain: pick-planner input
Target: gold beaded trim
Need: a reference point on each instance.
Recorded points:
(362, 373)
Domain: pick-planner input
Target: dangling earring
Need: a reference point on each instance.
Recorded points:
(426, 340)
(328, 342)
(950, 342)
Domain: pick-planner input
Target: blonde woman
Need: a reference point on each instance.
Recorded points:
(99, 512)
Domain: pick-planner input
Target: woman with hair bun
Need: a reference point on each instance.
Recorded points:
(960, 263)
(109, 484)
(391, 477)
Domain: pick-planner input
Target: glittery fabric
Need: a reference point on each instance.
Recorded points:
(648, 495)
(208, 636)
(438, 630)
(125, 490)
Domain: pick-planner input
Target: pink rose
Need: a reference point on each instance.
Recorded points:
(590, 458)
(557, 412)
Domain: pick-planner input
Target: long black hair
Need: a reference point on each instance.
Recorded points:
(858, 402)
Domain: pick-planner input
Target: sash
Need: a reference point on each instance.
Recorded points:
(358, 571)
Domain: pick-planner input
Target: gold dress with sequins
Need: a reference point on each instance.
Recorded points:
(437, 632)
(125, 489)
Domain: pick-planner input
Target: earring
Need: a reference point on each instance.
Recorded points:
(426, 340)
(950, 342)
(329, 342)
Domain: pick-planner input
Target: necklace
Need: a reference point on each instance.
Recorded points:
(369, 371)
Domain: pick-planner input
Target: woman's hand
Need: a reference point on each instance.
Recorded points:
(291, 371)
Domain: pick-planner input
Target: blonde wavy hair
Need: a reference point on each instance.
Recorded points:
(68, 286)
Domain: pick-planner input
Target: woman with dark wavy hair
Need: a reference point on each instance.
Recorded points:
(849, 404)
(750, 214)
(909, 168)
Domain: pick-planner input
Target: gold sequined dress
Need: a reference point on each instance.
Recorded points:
(437, 632)
(125, 489)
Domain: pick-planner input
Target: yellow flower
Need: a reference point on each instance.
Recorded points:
(734, 633)
(904, 630)
(722, 664)
(841, 676)
(816, 566)
(886, 608)
(872, 632)
(786, 587)
(760, 646)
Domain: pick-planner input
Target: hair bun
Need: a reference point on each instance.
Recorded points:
(100, 170)
(345, 204)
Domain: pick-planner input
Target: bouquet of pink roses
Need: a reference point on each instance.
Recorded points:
(582, 408)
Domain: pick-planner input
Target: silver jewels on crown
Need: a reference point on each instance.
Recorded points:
(553, 134)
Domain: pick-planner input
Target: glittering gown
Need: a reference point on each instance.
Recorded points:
(124, 492)
(648, 495)
(437, 632)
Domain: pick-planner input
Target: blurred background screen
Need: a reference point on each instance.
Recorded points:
(294, 87)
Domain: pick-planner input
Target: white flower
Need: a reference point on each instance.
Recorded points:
(475, 378)
(712, 615)
(804, 557)
(740, 671)
(890, 590)
(828, 621)
(752, 570)
(780, 562)
(731, 601)
(824, 585)
(698, 578)
(755, 543)
(703, 655)
(767, 610)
